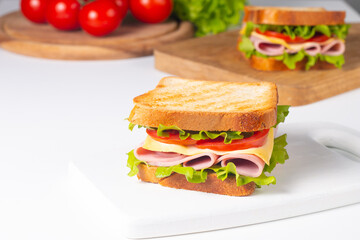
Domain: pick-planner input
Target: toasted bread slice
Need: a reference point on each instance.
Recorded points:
(207, 105)
(270, 64)
(293, 16)
(211, 185)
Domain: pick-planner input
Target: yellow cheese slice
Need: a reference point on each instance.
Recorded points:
(271, 39)
(263, 152)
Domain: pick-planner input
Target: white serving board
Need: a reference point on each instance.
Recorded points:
(315, 178)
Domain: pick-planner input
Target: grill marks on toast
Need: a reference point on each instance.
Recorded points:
(207, 105)
(206, 96)
(187, 95)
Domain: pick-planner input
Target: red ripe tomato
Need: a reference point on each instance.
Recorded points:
(34, 10)
(123, 7)
(63, 14)
(288, 39)
(151, 11)
(100, 17)
(256, 140)
(172, 139)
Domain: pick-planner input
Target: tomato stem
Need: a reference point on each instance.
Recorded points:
(84, 2)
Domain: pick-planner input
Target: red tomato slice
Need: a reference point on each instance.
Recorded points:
(318, 38)
(172, 139)
(256, 140)
(288, 39)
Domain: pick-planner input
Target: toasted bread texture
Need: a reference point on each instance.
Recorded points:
(211, 185)
(207, 105)
(270, 64)
(293, 16)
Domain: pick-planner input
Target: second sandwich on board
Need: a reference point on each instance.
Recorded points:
(215, 137)
(282, 38)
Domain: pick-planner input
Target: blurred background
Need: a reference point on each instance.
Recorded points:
(335, 4)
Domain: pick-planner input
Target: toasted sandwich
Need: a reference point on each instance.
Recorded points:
(215, 137)
(282, 38)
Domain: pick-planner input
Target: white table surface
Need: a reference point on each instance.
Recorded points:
(54, 112)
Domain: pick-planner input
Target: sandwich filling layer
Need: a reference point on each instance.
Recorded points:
(248, 156)
(248, 162)
(291, 44)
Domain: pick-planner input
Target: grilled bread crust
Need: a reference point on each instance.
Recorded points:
(211, 185)
(207, 105)
(270, 64)
(293, 16)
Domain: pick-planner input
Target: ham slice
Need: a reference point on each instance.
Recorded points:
(246, 164)
(267, 48)
(334, 48)
(167, 159)
(331, 48)
(200, 161)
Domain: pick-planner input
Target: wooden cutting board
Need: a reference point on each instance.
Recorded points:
(216, 58)
(131, 39)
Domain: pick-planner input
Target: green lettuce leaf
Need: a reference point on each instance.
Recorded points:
(341, 31)
(132, 125)
(338, 61)
(222, 173)
(133, 163)
(279, 153)
(230, 169)
(311, 61)
(209, 16)
(162, 131)
(306, 32)
(246, 46)
(290, 60)
(200, 135)
(191, 174)
(282, 112)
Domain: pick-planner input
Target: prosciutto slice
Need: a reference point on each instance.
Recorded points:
(167, 159)
(266, 47)
(334, 48)
(246, 164)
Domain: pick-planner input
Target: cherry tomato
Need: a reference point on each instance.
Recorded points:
(63, 14)
(100, 17)
(151, 11)
(256, 140)
(34, 10)
(172, 139)
(288, 39)
(123, 7)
